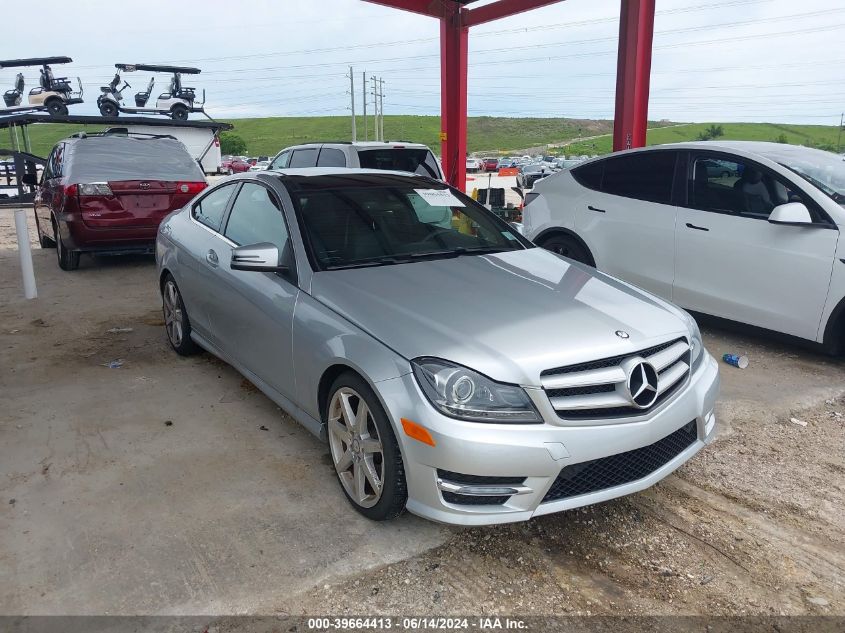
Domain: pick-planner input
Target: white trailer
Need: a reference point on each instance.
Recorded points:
(202, 142)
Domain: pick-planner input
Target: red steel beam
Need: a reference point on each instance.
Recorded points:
(633, 71)
(501, 9)
(431, 8)
(454, 39)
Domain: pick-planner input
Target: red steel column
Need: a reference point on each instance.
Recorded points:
(454, 37)
(633, 72)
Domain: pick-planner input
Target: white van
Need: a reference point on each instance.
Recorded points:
(202, 142)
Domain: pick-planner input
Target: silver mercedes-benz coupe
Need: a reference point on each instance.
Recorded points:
(453, 368)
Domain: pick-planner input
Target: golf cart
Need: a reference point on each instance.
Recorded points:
(54, 94)
(177, 103)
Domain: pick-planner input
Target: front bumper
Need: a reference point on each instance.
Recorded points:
(535, 452)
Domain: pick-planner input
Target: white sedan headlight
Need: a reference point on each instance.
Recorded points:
(696, 346)
(467, 395)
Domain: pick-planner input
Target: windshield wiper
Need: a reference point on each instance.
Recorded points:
(462, 250)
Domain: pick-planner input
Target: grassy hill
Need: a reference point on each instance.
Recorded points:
(487, 134)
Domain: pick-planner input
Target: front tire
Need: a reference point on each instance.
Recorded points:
(364, 450)
(176, 321)
(568, 247)
(68, 259)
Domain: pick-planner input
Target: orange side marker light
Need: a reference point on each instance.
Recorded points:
(417, 432)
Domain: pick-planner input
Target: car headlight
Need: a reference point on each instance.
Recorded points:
(696, 346)
(467, 395)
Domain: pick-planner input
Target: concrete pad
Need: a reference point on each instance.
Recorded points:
(164, 486)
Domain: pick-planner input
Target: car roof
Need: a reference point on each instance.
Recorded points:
(363, 144)
(336, 171)
(764, 150)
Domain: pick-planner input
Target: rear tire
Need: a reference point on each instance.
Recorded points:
(179, 113)
(68, 259)
(177, 325)
(370, 451)
(568, 247)
(56, 107)
(108, 108)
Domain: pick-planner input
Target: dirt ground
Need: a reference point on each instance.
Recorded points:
(95, 486)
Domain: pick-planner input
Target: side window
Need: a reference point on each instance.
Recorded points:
(590, 175)
(48, 167)
(282, 161)
(304, 157)
(210, 208)
(330, 157)
(734, 186)
(642, 175)
(256, 217)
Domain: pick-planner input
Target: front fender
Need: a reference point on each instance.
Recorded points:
(322, 338)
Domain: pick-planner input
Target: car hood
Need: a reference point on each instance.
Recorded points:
(509, 315)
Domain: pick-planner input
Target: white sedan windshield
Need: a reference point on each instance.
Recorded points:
(825, 170)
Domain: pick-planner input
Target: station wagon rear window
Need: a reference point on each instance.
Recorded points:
(114, 159)
(414, 160)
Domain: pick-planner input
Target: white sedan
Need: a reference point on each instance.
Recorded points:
(474, 164)
(756, 241)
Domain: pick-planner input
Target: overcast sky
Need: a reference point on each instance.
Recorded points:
(714, 60)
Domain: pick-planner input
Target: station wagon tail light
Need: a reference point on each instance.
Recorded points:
(191, 187)
(464, 394)
(94, 189)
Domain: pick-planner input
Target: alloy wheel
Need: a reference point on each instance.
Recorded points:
(174, 317)
(356, 447)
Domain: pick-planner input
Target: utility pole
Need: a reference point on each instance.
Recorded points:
(381, 107)
(364, 95)
(375, 107)
(352, 103)
(839, 138)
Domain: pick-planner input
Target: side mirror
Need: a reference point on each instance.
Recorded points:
(263, 257)
(791, 214)
(30, 179)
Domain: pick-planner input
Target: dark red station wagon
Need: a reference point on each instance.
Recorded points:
(107, 194)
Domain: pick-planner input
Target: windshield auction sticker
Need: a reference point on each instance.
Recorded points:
(439, 197)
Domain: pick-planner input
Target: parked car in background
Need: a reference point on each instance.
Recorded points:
(474, 164)
(529, 174)
(744, 231)
(414, 158)
(260, 165)
(106, 194)
(491, 164)
(333, 291)
(234, 165)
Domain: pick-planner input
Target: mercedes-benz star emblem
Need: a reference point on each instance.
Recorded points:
(642, 384)
(621, 334)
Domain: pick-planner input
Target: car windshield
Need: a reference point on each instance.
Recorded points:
(354, 222)
(824, 170)
(532, 168)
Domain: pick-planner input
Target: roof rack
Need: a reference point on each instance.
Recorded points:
(34, 61)
(120, 133)
(156, 68)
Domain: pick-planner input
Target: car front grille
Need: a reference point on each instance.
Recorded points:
(622, 468)
(598, 389)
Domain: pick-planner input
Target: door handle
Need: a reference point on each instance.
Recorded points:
(697, 228)
(211, 258)
(592, 208)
